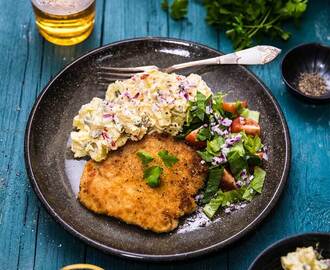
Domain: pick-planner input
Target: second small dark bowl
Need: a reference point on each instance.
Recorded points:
(310, 58)
(270, 258)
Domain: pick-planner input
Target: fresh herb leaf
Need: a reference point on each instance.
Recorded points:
(144, 157)
(152, 175)
(254, 115)
(252, 144)
(238, 147)
(179, 9)
(212, 207)
(196, 110)
(239, 107)
(205, 155)
(217, 103)
(223, 199)
(213, 181)
(243, 21)
(294, 8)
(204, 134)
(256, 184)
(253, 160)
(259, 178)
(247, 21)
(236, 163)
(165, 5)
(248, 194)
(236, 159)
(214, 145)
(168, 159)
(201, 102)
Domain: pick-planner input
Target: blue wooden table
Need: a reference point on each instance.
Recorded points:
(30, 239)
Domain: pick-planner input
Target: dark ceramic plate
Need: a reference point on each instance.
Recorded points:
(55, 174)
(270, 258)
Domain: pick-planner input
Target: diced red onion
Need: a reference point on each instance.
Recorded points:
(126, 94)
(108, 115)
(265, 156)
(243, 174)
(231, 141)
(208, 109)
(226, 122)
(239, 183)
(219, 160)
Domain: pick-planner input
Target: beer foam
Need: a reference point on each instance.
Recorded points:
(62, 7)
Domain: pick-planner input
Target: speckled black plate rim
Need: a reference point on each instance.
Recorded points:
(284, 241)
(150, 257)
(292, 88)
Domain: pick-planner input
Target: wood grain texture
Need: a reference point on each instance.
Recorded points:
(30, 239)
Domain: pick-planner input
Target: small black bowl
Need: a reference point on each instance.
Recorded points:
(310, 58)
(270, 258)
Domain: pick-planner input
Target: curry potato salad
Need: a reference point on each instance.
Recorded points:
(305, 258)
(146, 103)
(226, 135)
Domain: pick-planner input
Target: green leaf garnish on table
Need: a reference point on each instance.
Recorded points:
(243, 21)
(178, 9)
(152, 175)
(168, 159)
(144, 157)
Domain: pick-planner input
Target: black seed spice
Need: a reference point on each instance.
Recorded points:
(312, 84)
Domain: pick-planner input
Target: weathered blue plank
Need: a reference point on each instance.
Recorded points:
(194, 27)
(20, 68)
(55, 247)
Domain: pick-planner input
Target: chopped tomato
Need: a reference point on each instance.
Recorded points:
(236, 125)
(231, 106)
(248, 125)
(191, 139)
(260, 155)
(228, 181)
(143, 76)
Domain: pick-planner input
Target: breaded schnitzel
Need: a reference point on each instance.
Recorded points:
(116, 187)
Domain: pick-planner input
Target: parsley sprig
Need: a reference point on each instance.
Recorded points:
(245, 21)
(144, 157)
(168, 159)
(152, 174)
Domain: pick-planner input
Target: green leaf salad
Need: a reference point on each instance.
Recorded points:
(226, 135)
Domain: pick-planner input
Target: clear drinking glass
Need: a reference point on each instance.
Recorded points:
(64, 22)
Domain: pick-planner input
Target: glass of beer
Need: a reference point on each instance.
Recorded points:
(64, 22)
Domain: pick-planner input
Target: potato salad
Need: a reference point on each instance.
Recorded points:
(146, 103)
(305, 258)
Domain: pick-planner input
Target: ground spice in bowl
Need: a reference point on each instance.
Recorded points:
(312, 84)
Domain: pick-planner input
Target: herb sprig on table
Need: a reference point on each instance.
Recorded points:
(245, 21)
